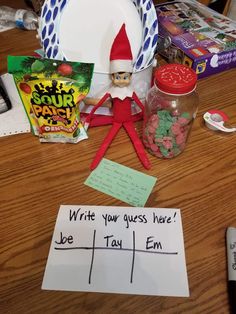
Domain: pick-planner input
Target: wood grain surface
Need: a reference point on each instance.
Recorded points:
(35, 179)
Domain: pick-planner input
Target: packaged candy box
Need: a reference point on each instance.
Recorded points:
(200, 37)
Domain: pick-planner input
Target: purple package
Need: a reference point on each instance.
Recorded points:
(201, 38)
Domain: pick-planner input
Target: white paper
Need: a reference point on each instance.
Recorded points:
(4, 28)
(117, 250)
(15, 120)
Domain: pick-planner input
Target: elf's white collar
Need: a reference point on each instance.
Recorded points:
(121, 92)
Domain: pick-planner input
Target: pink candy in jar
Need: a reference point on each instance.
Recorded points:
(170, 109)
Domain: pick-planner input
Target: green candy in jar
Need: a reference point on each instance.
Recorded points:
(170, 109)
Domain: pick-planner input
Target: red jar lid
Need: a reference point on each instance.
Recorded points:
(175, 79)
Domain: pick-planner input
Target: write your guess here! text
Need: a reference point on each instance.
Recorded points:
(81, 215)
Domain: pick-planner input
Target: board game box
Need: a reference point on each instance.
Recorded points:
(201, 38)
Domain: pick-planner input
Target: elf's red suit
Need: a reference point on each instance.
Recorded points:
(122, 116)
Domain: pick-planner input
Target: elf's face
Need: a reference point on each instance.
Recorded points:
(121, 79)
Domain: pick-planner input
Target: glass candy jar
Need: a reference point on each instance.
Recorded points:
(170, 109)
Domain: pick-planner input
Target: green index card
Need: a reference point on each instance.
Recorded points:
(123, 183)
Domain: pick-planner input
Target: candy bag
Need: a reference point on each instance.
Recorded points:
(50, 91)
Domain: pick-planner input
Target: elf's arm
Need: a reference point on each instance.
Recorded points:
(138, 101)
(91, 114)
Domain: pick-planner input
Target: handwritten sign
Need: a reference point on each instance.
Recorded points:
(117, 250)
(123, 183)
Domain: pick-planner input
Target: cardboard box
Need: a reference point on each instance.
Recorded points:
(200, 37)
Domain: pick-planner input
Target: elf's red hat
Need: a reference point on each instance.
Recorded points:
(121, 54)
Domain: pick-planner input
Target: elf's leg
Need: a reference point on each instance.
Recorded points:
(138, 145)
(105, 144)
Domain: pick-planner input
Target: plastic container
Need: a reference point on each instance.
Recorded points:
(170, 109)
(21, 18)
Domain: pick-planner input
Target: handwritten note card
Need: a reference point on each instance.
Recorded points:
(123, 183)
(117, 250)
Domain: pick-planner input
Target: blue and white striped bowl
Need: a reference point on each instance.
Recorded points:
(50, 38)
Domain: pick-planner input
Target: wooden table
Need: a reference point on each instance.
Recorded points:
(35, 179)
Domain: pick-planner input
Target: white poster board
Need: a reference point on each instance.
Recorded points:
(117, 250)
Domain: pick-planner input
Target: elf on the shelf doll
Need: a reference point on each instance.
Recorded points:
(121, 95)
